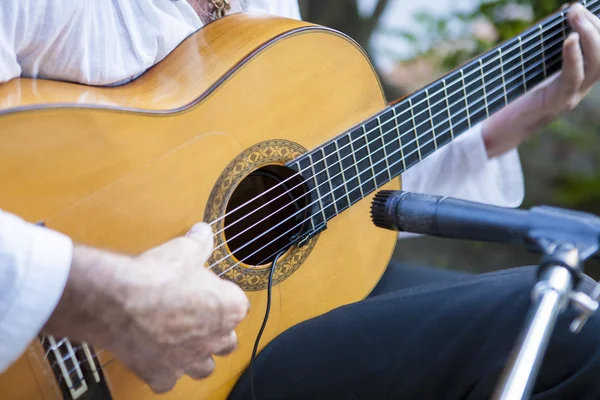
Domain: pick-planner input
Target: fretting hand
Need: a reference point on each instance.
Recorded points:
(556, 95)
(165, 314)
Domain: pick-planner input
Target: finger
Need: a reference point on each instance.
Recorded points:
(589, 37)
(234, 305)
(566, 93)
(160, 378)
(225, 345)
(592, 18)
(228, 300)
(201, 370)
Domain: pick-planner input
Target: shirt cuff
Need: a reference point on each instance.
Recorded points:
(36, 262)
(497, 181)
(462, 169)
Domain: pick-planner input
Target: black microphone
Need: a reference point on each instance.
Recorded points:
(461, 219)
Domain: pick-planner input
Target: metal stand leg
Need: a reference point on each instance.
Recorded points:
(522, 369)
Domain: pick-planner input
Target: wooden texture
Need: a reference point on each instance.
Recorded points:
(127, 181)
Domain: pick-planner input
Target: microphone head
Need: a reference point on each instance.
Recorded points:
(383, 209)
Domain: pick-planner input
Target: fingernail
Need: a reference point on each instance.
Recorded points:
(201, 228)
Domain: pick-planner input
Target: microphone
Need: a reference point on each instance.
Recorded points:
(461, 219)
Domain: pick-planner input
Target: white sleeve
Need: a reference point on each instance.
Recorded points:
(34, 266)
(462, 169)
(282, 8)
(9, 67)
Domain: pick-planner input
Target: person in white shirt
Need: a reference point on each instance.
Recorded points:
(44, 286)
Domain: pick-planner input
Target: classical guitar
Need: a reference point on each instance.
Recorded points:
(277, 133)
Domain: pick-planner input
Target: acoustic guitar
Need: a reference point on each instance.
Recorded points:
(276, 132)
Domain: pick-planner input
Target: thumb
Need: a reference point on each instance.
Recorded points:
(201, 235)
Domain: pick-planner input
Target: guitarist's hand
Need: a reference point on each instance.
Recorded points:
(163, 314)
(555, 96)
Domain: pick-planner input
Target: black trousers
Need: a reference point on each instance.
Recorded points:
(424, 334)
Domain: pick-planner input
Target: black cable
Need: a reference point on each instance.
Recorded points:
(262, 328)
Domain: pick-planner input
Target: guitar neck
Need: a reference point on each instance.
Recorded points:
(354, 164)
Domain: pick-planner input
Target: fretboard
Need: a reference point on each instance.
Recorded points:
(354, 164)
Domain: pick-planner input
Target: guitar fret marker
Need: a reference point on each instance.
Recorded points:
(399, 139)
(462, 76)
(412, 117)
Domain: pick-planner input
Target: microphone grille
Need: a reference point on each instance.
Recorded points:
(379, 209)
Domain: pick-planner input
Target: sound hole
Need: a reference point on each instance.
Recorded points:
(256, 230)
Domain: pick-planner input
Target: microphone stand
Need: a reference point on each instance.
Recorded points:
(550, 297)
(565, 238)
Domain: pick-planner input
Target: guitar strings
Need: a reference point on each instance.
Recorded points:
(224, 272)
(97, 354)
(302, 222)
(360, 172)
(562, 14)
(561, 19)
(406, 145)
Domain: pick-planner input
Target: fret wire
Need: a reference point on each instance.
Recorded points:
(312, 220)
(329, 180)
(362, 194)
(412, 117)
(293, 227)
(448, 109)
(364, 129)
(385, 155)
(462, 76)
(543, 50)
(312, 166)
(522, 63)
(431, 119)
(487, 110)
(463, 89)
(399, 138)
(342, 169)
(528, 68)
(502, 74)
(314, 178)
(564, 29)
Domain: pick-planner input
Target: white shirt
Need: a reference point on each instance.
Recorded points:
(109, 41)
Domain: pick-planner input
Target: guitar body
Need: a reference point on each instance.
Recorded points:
(130, 167)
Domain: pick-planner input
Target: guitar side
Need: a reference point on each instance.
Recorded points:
(128, 168)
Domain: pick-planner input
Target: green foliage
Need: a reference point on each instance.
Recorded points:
(442, 29)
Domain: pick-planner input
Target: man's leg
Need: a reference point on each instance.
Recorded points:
(400, 275)
(444, 340)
